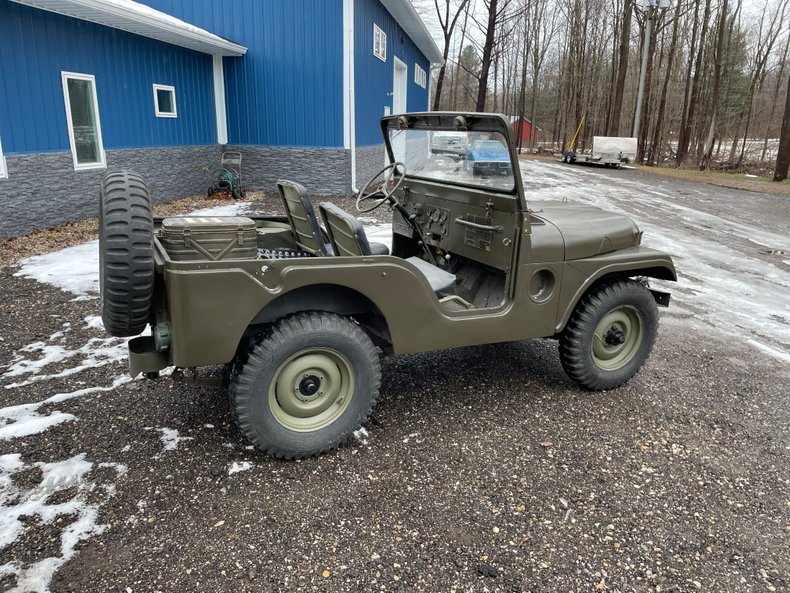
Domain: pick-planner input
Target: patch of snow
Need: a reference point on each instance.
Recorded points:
(207, 425)
(239, 467)
(170, 438)
(411, 436)
(73, 269)
(26, 426)
(151, 13)
(232, 209)
(80, 513)
(24, 419)
(361, 434)
(94, 322)
(94, 353)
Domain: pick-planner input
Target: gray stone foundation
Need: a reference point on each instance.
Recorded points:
(43, 190)
(323, 171)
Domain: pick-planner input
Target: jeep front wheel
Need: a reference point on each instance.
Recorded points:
(609, 335)
(307, 386)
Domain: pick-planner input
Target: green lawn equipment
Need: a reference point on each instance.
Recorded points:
(228, 177)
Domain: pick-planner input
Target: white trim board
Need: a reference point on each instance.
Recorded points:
(3, 166)
(348, 90)
(102, 163)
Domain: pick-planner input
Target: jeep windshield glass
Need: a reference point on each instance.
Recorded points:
(479, 159)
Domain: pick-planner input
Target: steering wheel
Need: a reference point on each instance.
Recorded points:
(381, 194)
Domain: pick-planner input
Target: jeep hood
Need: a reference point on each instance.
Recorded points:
(587, 230)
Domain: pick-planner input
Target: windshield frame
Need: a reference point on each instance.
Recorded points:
(454, 122)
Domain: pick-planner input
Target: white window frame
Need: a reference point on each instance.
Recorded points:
(3, 167)
(171, 89)
(420, 78)
(379, 43)
(102, 163)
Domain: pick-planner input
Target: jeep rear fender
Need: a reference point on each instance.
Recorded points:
(331, 298)
(578, 275)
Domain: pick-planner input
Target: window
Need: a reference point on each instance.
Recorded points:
(165, 100)
(379, 43)
(3, 169)
(420, 77)
(82, 116)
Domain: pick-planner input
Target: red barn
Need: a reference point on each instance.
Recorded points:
(522, 128)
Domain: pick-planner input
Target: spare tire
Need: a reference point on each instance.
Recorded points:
(126, 253)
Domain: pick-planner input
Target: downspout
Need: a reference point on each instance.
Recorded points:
(220, 110)
(349, 104)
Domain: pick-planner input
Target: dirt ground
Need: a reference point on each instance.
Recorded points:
(483, 469)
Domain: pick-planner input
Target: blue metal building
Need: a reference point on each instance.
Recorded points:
(163, 86)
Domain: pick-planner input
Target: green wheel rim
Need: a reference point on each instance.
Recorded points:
(617, 338)
(311, 389)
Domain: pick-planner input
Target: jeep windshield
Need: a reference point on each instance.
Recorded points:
(473, 158)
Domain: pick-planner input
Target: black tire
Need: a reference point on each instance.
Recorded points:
(126, 254)
(263, 390)
(609, 335)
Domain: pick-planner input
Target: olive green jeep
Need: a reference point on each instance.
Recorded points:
(300, 307)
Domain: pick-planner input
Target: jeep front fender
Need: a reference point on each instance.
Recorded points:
(578, 275)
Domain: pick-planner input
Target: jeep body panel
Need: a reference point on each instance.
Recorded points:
(543, 256)
(414, 318)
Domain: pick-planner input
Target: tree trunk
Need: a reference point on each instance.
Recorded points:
(488, 49)
(717, 72)
(625, 46)
(775, 98)
(655, 148)
(783, 156)
(685, 131)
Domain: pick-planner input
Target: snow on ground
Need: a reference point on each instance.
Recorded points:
(722, 285)
(169, 437)
(76, 270)
(237, 467)
(79, 512)
(24, 419)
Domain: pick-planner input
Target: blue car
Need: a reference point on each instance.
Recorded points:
(488, 157)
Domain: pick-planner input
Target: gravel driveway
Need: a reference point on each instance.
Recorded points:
(483, 469)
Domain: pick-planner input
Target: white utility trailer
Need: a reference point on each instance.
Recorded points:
(610, 151)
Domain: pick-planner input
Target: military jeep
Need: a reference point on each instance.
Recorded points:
(300, 307)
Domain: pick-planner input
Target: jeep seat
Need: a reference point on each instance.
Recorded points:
(347, 236)
(302, 218)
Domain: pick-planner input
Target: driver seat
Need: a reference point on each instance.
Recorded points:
(347, 236)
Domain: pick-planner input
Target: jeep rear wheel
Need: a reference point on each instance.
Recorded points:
(307, 386)
(609, 335)
(126, 255)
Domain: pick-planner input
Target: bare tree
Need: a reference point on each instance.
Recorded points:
(447, 24)
(717, 74)
(783, 156)
(622, 67)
